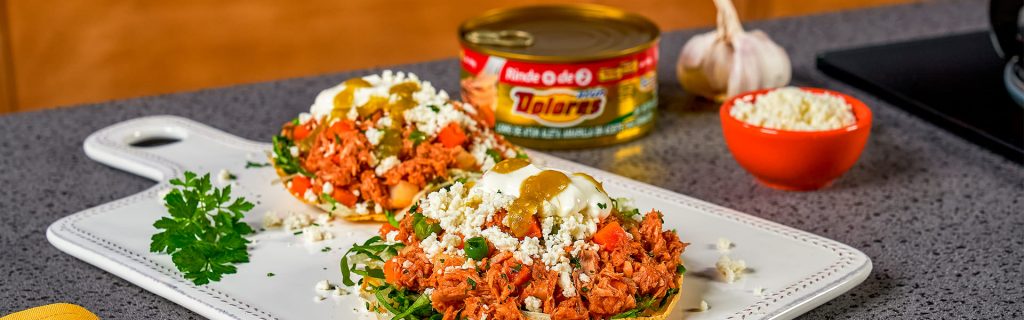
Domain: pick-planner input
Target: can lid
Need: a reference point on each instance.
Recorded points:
(558, 33)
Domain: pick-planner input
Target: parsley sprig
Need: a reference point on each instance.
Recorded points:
(203, 234)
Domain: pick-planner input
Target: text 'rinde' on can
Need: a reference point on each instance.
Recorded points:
(562, 76)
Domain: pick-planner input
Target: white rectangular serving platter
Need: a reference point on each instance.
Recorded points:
(797, 270)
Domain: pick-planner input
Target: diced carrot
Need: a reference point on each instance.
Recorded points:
(403, 193)
(299, 185)
(392, 271)
(611, 236)
(385, 229)
(300, 132)
(344, 197)
(452, 135)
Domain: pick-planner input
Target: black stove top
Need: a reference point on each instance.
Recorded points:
(955, 82)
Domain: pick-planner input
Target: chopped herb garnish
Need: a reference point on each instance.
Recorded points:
(416, 137)
(522, 156)
(602, 205)
(575, 262)
(204, 234)
(495, 155)
(680, 269)
(584, 289)
(270, 274)
(326, 249)
(250, 164)
(283, 157)
(434, 108)
(297, 232)
(517, 267)
(472, 283)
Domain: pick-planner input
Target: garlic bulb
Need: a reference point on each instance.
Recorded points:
(729, 61)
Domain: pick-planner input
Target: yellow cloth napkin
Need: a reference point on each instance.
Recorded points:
(56, 311)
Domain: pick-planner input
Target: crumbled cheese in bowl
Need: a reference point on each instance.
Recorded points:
(794, 109)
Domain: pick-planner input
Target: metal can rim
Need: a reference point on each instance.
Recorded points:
(604, 11)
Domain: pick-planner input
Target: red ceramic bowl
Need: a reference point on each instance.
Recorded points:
(796, 160)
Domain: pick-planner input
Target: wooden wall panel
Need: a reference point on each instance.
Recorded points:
(7, 99)
(77, 51)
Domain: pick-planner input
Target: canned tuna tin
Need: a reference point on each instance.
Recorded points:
(562, 76)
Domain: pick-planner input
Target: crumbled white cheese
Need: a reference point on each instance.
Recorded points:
(758, 291)
(313, 234)
(339, 291)
(703, 306)
(729, 269)
(528, 249)
(431, 247)
(533, 304)
(584, 278)
(324, 285)
(428, 291)
(384, 122)
(500, 240)
(294, 150)
(272, 220)
(723, 245)
(391, 236)
(296, 221)
(794, 109)
(305, 116)
(224, 176)
(309, 196)
(373, 135)
(406, 264)
(361, 207)
(328, 188)
(385, 165)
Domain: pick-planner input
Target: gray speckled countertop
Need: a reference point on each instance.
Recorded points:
(942, 219)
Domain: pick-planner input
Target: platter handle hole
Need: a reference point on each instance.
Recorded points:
(154, 142)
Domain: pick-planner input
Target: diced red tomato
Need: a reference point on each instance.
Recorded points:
(534, 230)
(392, 271)
(451, 136)
(385, 229)
(519, 277)
(299, 185)
(342, 127)
(344, 197)
(611, 236)
(300, 131)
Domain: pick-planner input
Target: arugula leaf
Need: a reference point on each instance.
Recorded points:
(376, 251)
(204, 232)
(642, 304)
(283, 156)
(390, 215)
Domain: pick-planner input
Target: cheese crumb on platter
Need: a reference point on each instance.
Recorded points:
(730, 269)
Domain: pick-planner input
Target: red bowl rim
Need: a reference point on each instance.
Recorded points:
(860, 111)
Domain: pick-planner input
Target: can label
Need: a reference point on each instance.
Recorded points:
(562, 101)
